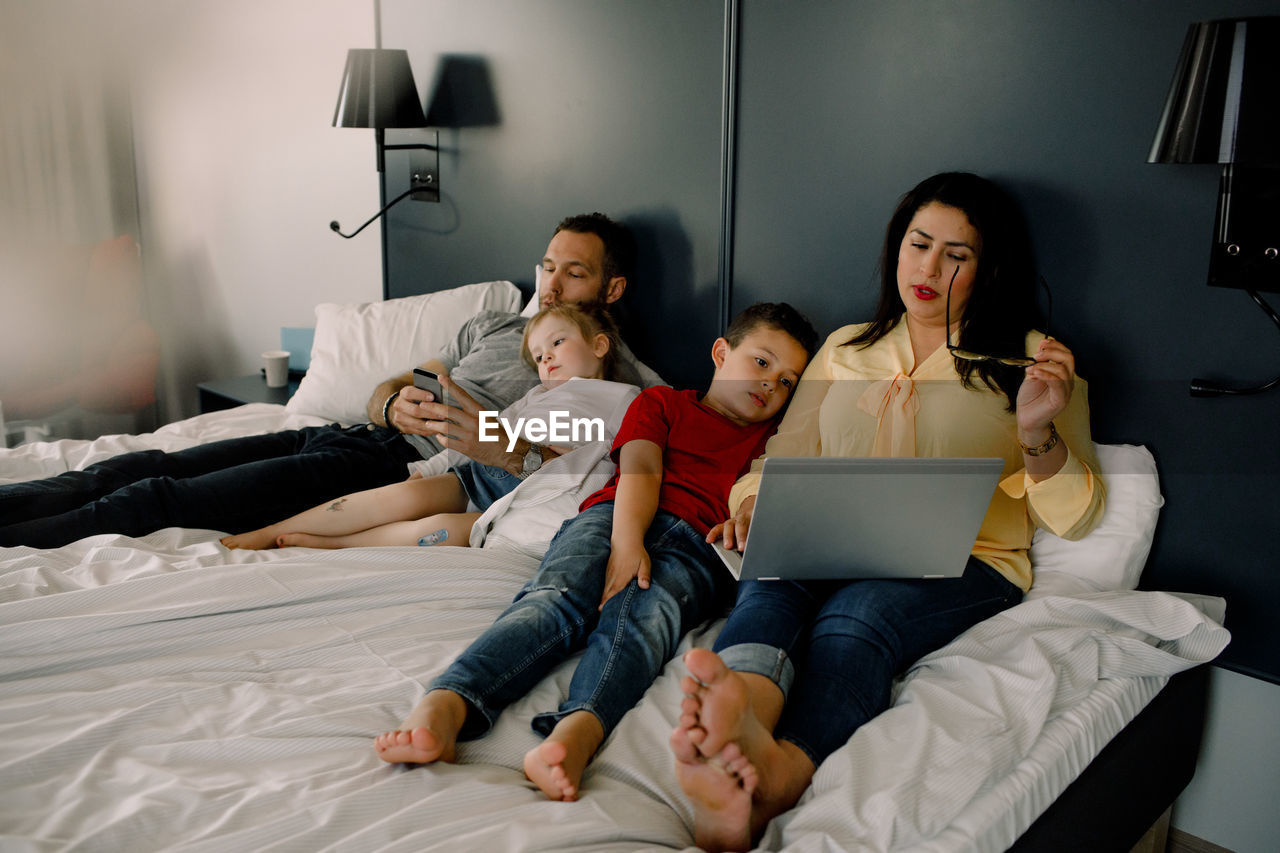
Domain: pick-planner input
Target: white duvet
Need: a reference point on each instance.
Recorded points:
(164, 694)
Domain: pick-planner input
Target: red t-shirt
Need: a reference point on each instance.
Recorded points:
(703, 453)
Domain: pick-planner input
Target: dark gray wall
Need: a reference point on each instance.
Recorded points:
(609, 106)
(842, 106)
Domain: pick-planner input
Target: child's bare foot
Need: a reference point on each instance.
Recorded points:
(719, 733)
(413, 746)
(545, 767)
(307, 540)
(429, 734)
(556, 765)
(254, 540)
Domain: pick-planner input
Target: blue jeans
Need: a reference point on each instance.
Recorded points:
(554, 615)
(834, 648)
(233, 485)
(484, 484)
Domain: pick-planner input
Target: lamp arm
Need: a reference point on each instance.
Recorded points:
(423, 146)
(334, 226)
(379, 141)
(1204, 388)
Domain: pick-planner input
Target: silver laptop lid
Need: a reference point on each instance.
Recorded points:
(842, 518)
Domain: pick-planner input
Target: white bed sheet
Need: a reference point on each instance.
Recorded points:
(44, 459)
(162, 693)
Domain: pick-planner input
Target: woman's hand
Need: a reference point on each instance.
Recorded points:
(1045, 390)
(732, 532)
(625, 563)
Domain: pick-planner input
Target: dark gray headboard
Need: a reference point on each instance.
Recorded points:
(774, 181)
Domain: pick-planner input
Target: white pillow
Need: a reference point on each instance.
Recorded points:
(1112, 556)
(358, 346)
(535, 303)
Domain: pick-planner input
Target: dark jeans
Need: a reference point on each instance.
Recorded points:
(556, 614)
(844, 642)
(233, 485)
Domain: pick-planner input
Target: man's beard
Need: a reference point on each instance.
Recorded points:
(595, 302)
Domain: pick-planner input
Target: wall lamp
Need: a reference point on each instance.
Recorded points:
(378, 92)
(1223, 107)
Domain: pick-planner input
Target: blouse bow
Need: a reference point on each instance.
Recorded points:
(893, 403)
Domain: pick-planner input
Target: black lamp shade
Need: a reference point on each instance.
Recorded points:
(378, 91)
(1224, 103)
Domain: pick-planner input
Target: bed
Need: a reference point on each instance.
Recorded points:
(163, 693)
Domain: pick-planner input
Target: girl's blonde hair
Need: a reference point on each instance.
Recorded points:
(591, 320)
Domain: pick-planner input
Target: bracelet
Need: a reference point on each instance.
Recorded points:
(1042, 449)
(386, 410)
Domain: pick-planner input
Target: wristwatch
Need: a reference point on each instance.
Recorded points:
(1040, 450)
(532, 461)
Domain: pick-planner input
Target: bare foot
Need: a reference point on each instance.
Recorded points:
(717, 708)
(720, 789)
(727, 761)
(415, 746)
(545, 767)
(254, 540)
(556, 765)
(307, 540)
(429, 734)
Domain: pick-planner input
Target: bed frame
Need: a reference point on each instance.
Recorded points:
(1132, 783)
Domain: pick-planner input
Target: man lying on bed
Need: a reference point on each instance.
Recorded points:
(242, 483)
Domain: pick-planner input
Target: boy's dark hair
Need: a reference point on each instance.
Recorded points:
(591, 320)
(776, 315)
(619, 242)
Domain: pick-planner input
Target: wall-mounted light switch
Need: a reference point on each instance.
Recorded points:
(424, 175)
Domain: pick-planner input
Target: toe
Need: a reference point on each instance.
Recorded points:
(705, 666)
(690, 687)
(681, 746)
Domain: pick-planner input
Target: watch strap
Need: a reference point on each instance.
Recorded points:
(1042, 449)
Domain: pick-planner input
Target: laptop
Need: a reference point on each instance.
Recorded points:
(845, 519)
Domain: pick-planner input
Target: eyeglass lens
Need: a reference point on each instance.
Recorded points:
(1009, 360)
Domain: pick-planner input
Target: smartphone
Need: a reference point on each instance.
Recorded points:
(428, 381)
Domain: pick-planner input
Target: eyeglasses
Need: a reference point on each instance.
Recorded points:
(1010, 360)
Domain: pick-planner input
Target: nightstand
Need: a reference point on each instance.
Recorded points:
(219, 394)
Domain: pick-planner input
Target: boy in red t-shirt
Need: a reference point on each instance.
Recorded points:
(631, 573)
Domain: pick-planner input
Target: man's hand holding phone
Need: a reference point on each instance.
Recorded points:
(419, 404)
(453, 416)
(429, 381)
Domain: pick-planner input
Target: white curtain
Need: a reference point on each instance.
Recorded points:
(63, 127)
(66, 184)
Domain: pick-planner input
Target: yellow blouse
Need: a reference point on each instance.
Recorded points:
(878, 402)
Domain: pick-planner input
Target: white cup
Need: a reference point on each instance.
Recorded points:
(276, 362)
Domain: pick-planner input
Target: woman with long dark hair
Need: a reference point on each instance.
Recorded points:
(951, 365)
